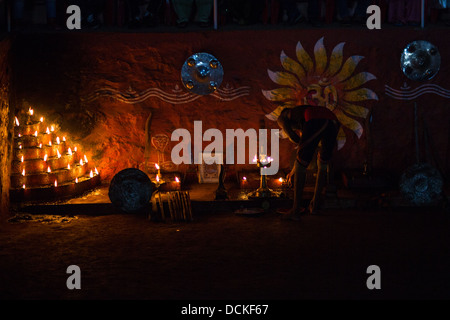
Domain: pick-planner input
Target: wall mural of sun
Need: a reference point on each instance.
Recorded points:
(323, 82)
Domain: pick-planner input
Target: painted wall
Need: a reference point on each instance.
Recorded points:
(5, 127)
(102, 87)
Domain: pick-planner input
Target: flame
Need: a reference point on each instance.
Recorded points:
(20, 146)
(49, 170)
(50, 143)
(64, 139)
(56, 183)
(75, 149)
(47, 131)
(57, 140)
(255, 158)
(41, 119)
(177, 180)
(40, 145)
(81, 162)
(52, 128)
(21, 159)
(36, 133)
(31, 111)
(244, 178)
(157, 178)
(96, 171)
(19, 135)
(23, 172)
(91, 174)
(17, 121)
(69, 152)
(76, 180)
(85, 159)
(156, 166)
(59, 154)
(281, 179)
(68, 166)
(23, 186)
(45, 157)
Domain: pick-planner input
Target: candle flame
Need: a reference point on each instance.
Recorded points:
(255, 158)
(57, 140)
(96, 171)
(75, 149)
(40, 145)
(69, 151)
(21, 159)
(23, 172)
(19, 135)
(45, 157)
(50, 143)
(23, 186)
(85, 159)
(56, 183)
(64, 139)
(41, 119)
(47, 131)
(17, 121)
(91, 174)
(68, 166)
(76, 180)
(52, 128)
(157, 178)
(81, 162)
(281, 179)
(20, 146)
(49, 170)
(36, 133)
(59, 154)
(244, 178)
(31, 111)
(176, 179)
(156, 166)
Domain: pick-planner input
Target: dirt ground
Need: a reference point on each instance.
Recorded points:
(221, 255)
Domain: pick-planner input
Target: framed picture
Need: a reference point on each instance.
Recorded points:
(208, 173)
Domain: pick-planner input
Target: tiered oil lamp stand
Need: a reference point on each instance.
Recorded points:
(44, 166)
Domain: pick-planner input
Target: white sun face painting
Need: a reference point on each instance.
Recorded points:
(323, 81)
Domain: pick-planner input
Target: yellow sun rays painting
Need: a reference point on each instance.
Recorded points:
(328, 82)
